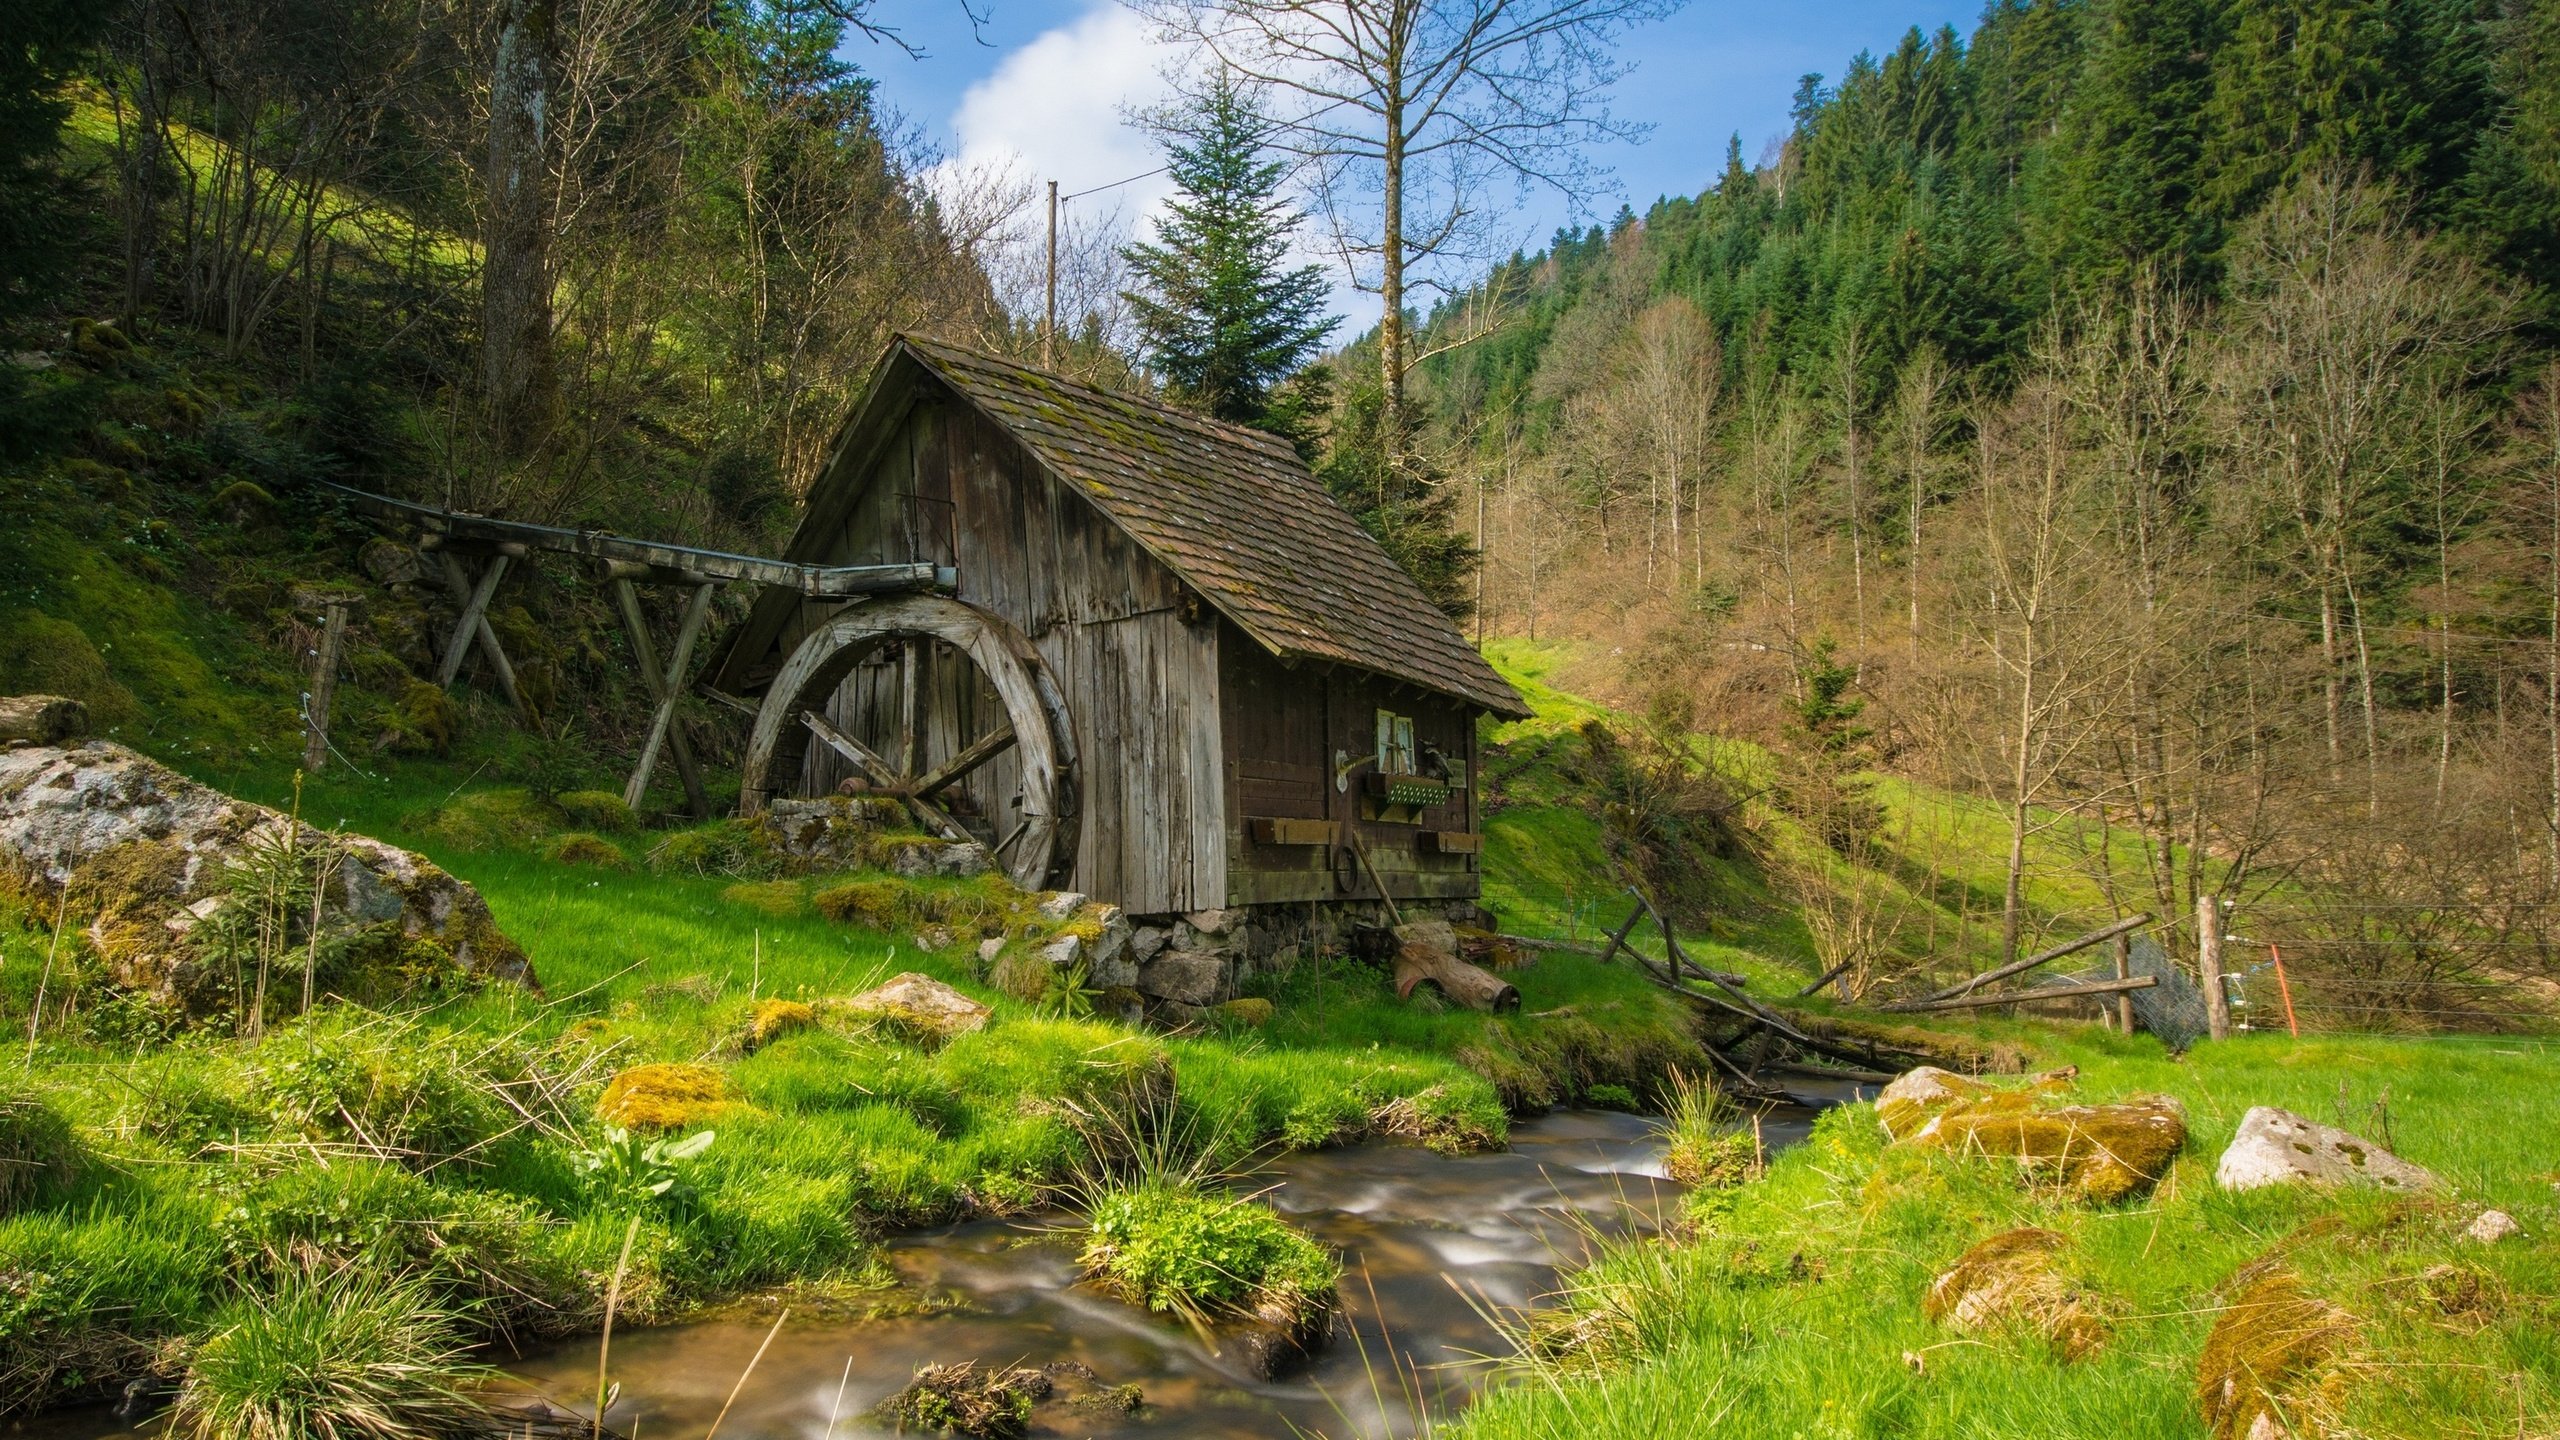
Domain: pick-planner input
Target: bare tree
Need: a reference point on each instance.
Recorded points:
(2341, 309)
(1403, 111)
(1919, 404)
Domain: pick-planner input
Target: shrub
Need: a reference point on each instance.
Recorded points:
(579, 848)
(597, 810)
(338, 1353)
(1180, 1250)
(37, 1153)
(663, 1097)
(1610, 1096)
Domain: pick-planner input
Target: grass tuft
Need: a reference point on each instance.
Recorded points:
(333, 1355)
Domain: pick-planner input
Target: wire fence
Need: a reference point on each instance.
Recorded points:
(2284, 970)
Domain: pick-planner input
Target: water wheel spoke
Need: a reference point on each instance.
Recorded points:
(910, 710)
(937, 819)
(870, 761)
(980, 751)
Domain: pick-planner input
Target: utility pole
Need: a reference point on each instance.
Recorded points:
(1049, 329)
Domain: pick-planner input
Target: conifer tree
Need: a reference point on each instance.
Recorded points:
(1224, 319)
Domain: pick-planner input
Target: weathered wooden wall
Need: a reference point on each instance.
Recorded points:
(1139, 678)
(1287, 731)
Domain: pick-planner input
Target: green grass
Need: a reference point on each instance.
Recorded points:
(1795, 1308)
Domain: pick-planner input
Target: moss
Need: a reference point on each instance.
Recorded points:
(580, 848)
(2272, 1360)
(243, 502)
(1252, 1010)
(961, 1399)
(2100, 1153)
(597, 810)
(728, 847)
(503, 819)
(882, 905)
(664, 1097)
(422, 721)
(770, 1020)
(1025, 977)
(2014, 1279)
(44, 655)
(1714, 1161)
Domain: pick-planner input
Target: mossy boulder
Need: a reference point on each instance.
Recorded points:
(2098, 1153)
(597, 810)
(915, 1008)
(580, 848)
(990, 1404)
(146, 858)
(42, 653)
(2015, 1280)
(665, 1097)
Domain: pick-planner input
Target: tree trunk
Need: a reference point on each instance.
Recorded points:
(515, 284)
(1391, 337)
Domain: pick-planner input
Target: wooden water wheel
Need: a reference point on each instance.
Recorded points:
(1033, 843)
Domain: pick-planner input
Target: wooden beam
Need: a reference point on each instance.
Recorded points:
(668, 687)
(2042, 957)
(815, 580)
(1280, 830)
(2217, 1000)
(474, 622)
(1618, 937)
(981, 750)
(2047, 992)
(1826, 977)
(872, 762)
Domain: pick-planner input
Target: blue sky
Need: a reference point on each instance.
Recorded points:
(1044, 86)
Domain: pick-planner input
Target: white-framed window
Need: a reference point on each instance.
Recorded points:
(1395, 744)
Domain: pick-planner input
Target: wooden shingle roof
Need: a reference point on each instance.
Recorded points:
(1234, 513)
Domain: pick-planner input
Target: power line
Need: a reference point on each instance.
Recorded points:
(1114, 185)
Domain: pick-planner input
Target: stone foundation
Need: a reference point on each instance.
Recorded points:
(1179, 966)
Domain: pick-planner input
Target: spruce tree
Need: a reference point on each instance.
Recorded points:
(1223, 318)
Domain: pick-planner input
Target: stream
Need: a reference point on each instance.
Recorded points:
(1430, 1243)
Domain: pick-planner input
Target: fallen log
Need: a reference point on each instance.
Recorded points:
(2019, 997)
(1469, 985)
(2020, 967)
(42, 719)
(1825, 978)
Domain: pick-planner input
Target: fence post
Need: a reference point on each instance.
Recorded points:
(324, 680)
(2124, 971)
(2217, 1002)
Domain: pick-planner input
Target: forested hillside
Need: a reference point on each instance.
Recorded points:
(2146, 411)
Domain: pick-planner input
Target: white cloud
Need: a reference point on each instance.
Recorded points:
(1057, 109)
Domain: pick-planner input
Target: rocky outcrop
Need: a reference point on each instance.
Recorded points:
(146, 857)
(2099, 1153)
(2278, 1147)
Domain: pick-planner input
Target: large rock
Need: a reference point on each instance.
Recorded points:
(148, 855)
(921, 1007)
(2278, 1147)
(1193, 977)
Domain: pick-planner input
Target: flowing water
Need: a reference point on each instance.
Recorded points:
(1432, 1245)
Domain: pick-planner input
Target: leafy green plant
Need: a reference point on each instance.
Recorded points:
(624, 1169)
(1070, 995)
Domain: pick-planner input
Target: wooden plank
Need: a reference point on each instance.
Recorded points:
(1626, 927)
(1287, 830)
(1826, 977)
(475, 622)
(1452, 842)
(2048, 992)
(2020, 967)
(873, 763)
(669, 686)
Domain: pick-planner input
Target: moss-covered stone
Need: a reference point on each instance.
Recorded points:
(770, 1020)
(2100, 1153)
(580, 848)
(664, 1097)
(597, 810)
(2015, 1280)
